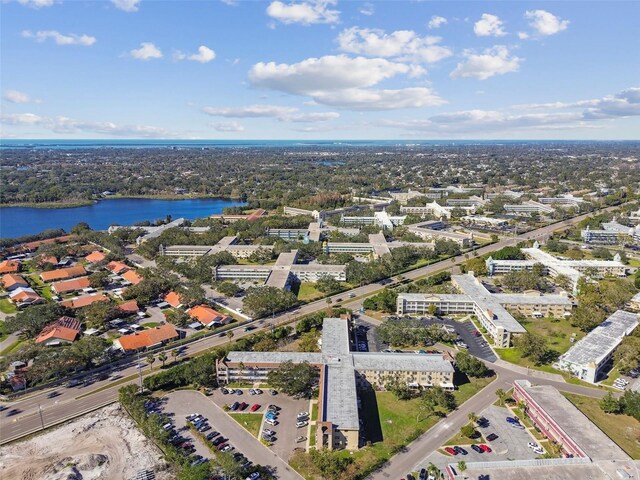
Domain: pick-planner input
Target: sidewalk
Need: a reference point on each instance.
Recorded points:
(530, 372)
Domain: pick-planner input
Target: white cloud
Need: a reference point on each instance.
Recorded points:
(582, 115)
(126, 5)
(146, 51)
(370, 99)
(401, 44)
(367, 8)
(331, 72)
(282, 113)
(251, 111)
(342, 81)
(65, 125)
(231, 3)
(545, 23)
(14, 96)
(228, 127)
(489, 26)
(523, 35)
(436, 22)
(36, 3)
(492, 61)
(204, 55)
(305, 13)
(311, 117)
(59, 38)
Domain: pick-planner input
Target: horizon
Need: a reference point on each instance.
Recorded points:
(319, 69)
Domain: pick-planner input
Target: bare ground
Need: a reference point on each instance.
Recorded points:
(102, 445)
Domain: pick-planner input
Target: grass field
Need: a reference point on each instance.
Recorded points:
(622, 429)
(7, 307)
(459, 439)
(250, 421)
(14, 346)
(391, 424)
(308, 292)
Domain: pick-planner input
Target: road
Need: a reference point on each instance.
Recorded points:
(68, 405)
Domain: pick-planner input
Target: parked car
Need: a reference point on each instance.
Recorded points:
(302, 423)
(450, 451)
(266, 431)
(227, 448)
(460, 450)
(273, 392)
(204, 428)
(271, 421)
(254, 476)
(476, 448)
(492, 437)
(242, 406)
(301, 438)
(485, 448)
(303, 415)
(255, 407)
(212, 435)
(423, 474)
(234, 406)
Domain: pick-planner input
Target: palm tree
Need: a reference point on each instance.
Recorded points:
(174, 354)
(229, 335)
(163, 358)
(501, 396)
(473, 418)
(462, 465)
(151, 359)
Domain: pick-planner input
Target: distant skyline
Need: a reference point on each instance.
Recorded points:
(319, 69)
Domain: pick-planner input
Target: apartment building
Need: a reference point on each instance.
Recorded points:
(341, 373)
(589, 358)
(472, 201)
(379, 219)
(491, 309)
(528, 207)
(562, 201)
(436, 210)
(482, 221)
(424, 230)
(226, 244)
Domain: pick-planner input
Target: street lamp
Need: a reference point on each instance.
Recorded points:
(41, 417)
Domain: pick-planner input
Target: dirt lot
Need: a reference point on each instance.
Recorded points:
(103, 445)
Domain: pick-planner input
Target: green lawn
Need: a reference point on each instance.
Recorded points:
(11, 348)
(622, 429)
(308, 292)
(7, 307)
(312, 438)
(314, 412)
(459, 439)
(3, 331)
(151, 324)
(250, 421)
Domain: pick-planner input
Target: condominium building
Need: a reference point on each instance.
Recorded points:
(281, 273)
(377, 246)
(528, 207)
(403, 197)
(424, 230)
(570, 269)
(379, 219)
(312, 233)
(226, 244)
(435, 209)
(588, 358)
(472, 201)
(506, 193)
(562, 201)
(612, 233)
(341, 373)
(482, 221)
(491, 309)
(150, 231)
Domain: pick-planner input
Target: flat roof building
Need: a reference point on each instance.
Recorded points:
(589, 357)
(528, 207)
(226, 244)
(424, 230)
(341, 373)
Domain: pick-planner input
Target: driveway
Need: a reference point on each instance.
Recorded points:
(184, 402)
(286, 430)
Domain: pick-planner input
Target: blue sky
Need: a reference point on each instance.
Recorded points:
(319, 69)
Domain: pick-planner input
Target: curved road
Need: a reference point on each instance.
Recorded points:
(37, 410)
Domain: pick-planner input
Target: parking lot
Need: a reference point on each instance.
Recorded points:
(511, 444)
(185, 402)
(286, 430)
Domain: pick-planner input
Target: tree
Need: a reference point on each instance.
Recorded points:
(229, 335)
(476, 265)
(267, 344)
(462, 465)
(266, 300)
(328, 285)
(174, 354)
(468, 431)
(610, 404)
(99, 279)
(151, 359)
(162, 357)
(532, 346)
(630, 403)
(294, 378)
(30, 321)
(470, 366)
(473, 418)
(228, 289)
(502, 396)
(308, 342)
(330, 464)
(439, 397)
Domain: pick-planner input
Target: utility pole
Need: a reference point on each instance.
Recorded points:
(140, 372)
(41, 418)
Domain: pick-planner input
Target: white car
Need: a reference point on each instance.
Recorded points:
(271, 421)
(303, 415)
(301, 423)
(538, 450)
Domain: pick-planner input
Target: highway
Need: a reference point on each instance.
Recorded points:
(73, 402)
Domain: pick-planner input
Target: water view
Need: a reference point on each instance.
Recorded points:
(18, 221)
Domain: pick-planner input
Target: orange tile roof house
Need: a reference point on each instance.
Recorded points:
(80, 302)
(129, 307)
(34, 245)
(131, 276)
(147, 338)
(11, 281)
(23, 297)
(174, 299)
(63, 273)
(10, 266)
(42, 259)
(63, 330)
(72, 285)
(208, 316)
(117, 267)
(95, 257)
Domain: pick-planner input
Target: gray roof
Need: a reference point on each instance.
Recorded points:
(335, 339)
(443, 297)
(340, 396)
(525, 299)
(574, 423)
(402, 362)
(486, 301)
(602, 340)
(318, 267)
(274, 357)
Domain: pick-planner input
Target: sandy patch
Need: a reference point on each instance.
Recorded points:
(102, 445)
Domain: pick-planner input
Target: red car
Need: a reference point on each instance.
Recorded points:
(485, 448)
(450, 451)
(255, 407)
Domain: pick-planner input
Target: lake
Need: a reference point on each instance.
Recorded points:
(18, 221)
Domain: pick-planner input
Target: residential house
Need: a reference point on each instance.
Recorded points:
(63, 331)
(147, 338)
(85, 301)
(207, 316)
(9, 266)
(63, 273)
(22, 297)
(95, 257)
(73, 285)
(11, 281)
